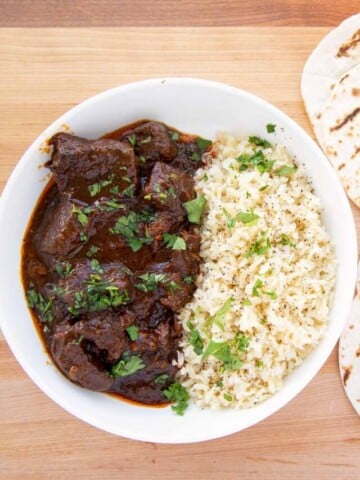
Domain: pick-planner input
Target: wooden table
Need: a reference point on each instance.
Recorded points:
(260, 47)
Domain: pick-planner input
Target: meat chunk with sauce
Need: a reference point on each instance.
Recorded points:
(168, 188)
(60, 233)
(69, 355)
(88, 169)
(93, 287)
(152, 141)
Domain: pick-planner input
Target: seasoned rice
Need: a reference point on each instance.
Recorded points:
(278, 291)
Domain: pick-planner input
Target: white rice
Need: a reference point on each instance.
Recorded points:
(282, 330)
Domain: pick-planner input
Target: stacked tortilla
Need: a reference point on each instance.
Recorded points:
(331, 92)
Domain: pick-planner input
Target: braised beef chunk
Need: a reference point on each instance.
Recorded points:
(152, 141)
(168, 187)
(60, 235)
(87, 169)
(110, 257)
(72, 359)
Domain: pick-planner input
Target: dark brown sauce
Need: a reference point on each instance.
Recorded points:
(87, 334)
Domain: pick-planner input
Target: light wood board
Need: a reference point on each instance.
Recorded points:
(44, 72)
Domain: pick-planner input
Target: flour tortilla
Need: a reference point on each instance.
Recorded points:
(335, 56)
(341, 130)
(349, 352)
(330, 87)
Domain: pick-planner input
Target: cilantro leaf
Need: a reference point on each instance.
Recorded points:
(286, 170)
(127, 366)
(195, 208)
(270, 127)
(162, 378)
(195, 339)
(133, 332)
(256, 160)
(150, 281)
(203, 143)
(246, 217)
(177, 393)
(259, 142)
(258, 284)
(38, 302)
(259, 247)
(285, 240)
(174, 241)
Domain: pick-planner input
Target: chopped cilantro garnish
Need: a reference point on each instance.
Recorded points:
(96, 188)
(175, 136)
(146, 140)
(63, 269)
(259, 142)
(132, 139)
(188, 279)
(227, 397)
(174, 241)
(256, 290)
(205, 177)
(82, 214)
(128, 227)
(285, 240)
(162, 379)
(246, 302)
(259, 247)
(142, 159)
(150, 281)
(256, 160)
(241, 342)
(127, 366)
(98, 295)
(177, 393)
(219, 384)
(259, 363)
(286, 170)
(95, 266)
(83, 237)
(270, 127)
(38, 302)
(258, 284)
(246, 217)
(111, 205)
(230, 223)
(92, 251)
(218, 317)
(264, 187)
(195, 156)
(195, 339)
(129, 191)
(271, 294)
(114, 190)
(195, 208)
(133, 332)
(203, 143)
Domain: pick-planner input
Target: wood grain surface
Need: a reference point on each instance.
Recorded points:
(45, 72)
(105, 13)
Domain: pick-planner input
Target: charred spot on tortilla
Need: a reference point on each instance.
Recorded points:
(340, 167)
(318, 116)
(347, 119)
(357, 150)
(343, 78)
(355, 92)
(357, 353)
(350, 44)
(347, 372)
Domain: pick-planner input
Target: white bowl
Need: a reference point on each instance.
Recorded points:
(194, 106)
